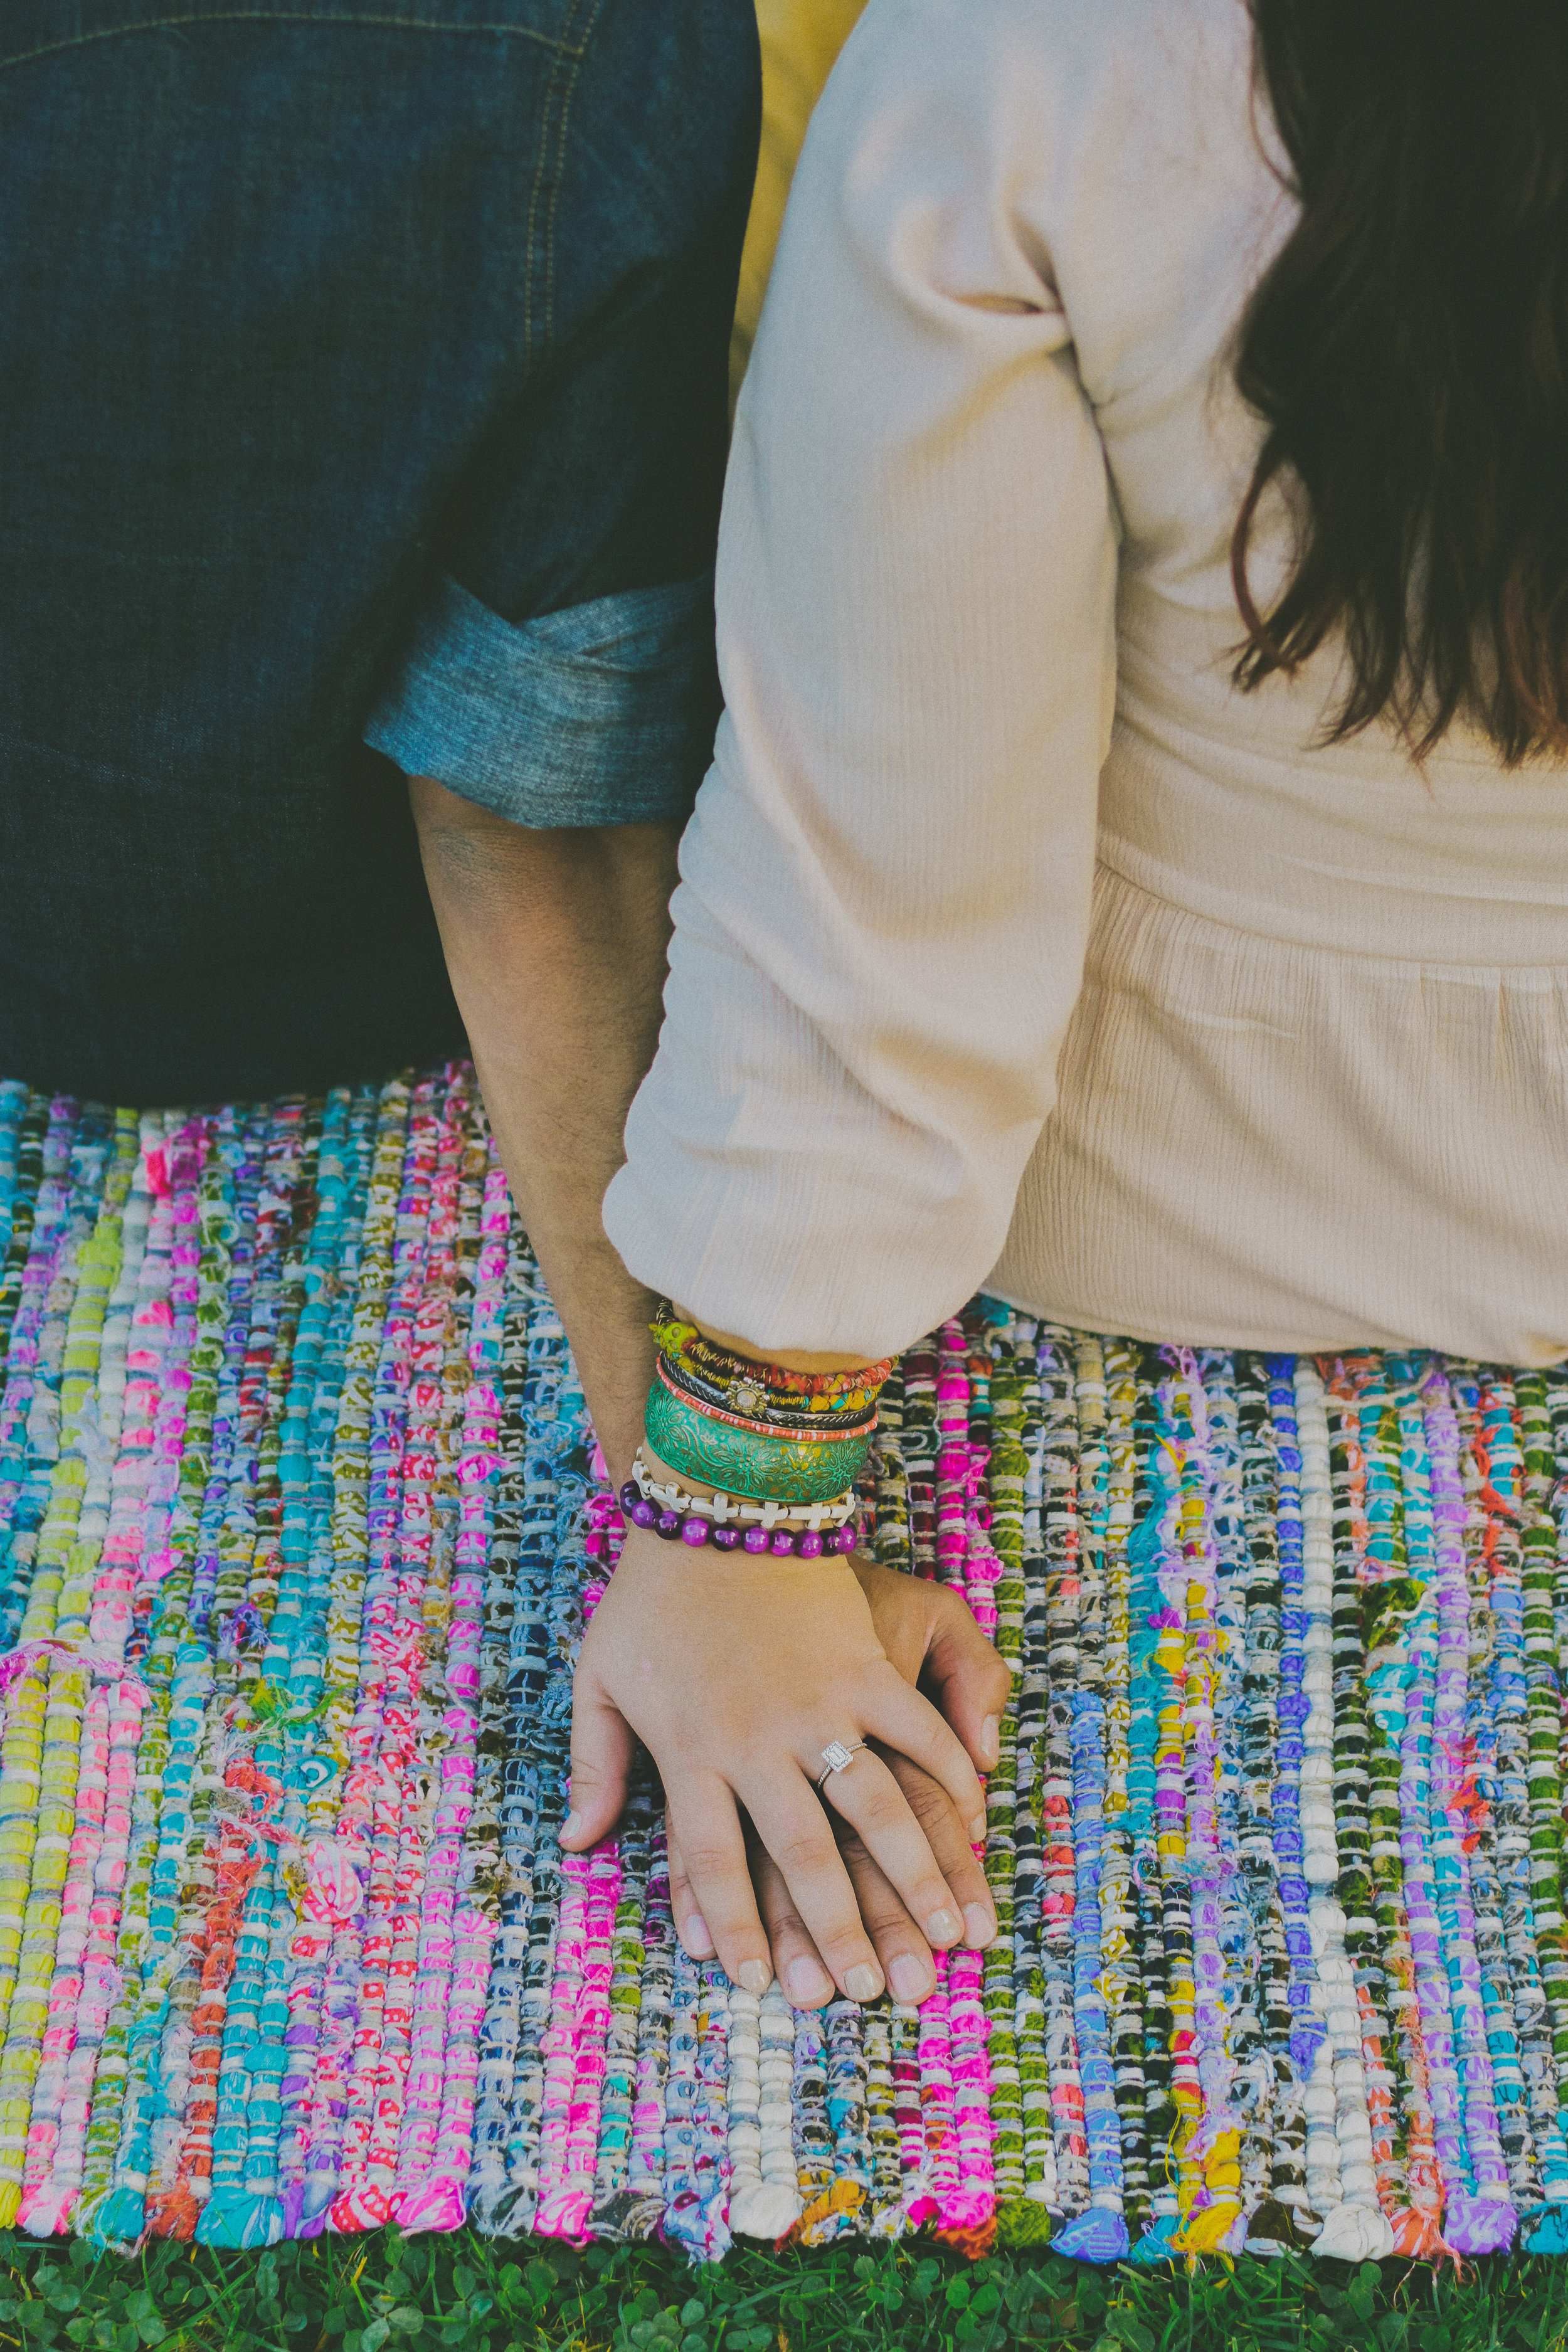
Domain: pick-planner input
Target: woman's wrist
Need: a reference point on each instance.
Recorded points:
(790, 1360)
(694, 1516)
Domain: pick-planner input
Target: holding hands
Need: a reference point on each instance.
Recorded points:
(748, 1676)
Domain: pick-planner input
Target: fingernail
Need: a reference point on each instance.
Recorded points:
(570, 1825)
(755, 1977)
(943, 1928)
(979, 1928)
(863, 1982)
(695, 1937)
(977, 1829)
(990, 1739)
(911, 1979)
(806, 1985)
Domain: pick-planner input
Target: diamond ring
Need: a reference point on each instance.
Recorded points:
(835, 1755)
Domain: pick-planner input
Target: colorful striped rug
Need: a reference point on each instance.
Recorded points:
(298, 1529)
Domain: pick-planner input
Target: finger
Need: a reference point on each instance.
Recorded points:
(602, 1747)
(966, 1678)
(949, 1842)
(898, 1715)
(706, 1833)
(901, 1949)
(689, 1924)
(869, 1798)
(796, 1960)
(795, 1830)
(904, 1953)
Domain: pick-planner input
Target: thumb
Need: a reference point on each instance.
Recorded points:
(602, 1749)
(966, 1679)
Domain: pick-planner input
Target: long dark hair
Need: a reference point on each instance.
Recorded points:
(1408, 352)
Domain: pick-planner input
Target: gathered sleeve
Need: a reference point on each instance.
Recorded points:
(885, 888)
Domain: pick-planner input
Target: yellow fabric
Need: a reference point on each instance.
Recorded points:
(800, 40)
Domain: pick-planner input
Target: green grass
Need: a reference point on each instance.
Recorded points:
(465, 2294)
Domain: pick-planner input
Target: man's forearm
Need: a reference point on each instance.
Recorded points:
(556, 943)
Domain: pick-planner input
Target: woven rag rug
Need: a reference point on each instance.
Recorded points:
(300, 1525)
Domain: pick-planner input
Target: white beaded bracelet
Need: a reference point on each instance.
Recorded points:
(804, 1533)
(727, 1510)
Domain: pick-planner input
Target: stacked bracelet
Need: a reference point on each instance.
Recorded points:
(732, 1525)
(748, 1405)
(764, 1386)
(792, 1441)
(749, 1457)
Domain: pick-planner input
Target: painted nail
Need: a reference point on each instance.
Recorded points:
(806, 1984)
(911, 1979)
(863, 1982)
(570, 1825)
(943, 1928)
(695, 1937)
(979, 1928)
(990, 1739)
(755, 1977)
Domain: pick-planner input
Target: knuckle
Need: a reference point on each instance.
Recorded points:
(882, 1911)
(802, 1854)
(785, 1924)
(869, 1802)
(842, 1944)
(854, 1850)
(886, 1818)
(707, 1862)
(927, 1800)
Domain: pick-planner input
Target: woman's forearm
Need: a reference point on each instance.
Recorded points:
(556, 941)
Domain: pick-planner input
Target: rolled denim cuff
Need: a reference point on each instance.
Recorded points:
(598, 714)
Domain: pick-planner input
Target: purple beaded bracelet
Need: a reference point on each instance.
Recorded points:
(693, 1529)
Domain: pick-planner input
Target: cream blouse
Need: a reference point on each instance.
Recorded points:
(1014, 948)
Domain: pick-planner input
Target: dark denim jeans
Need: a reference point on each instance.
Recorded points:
(362, 371)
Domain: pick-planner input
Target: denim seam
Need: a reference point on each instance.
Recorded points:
(578, 54)
(568, 57)
(280, 16)
(533, 202)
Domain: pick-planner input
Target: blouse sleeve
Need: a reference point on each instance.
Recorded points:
(884, 899)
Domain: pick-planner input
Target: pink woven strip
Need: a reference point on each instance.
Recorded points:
(971, 2199)
(936, 2184)
(574, 2068)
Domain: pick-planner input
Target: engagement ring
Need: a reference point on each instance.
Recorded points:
(835, 1755)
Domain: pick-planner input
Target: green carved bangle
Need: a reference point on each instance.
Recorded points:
(764, 1469)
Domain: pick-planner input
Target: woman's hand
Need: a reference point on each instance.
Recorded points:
(735, 1676)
